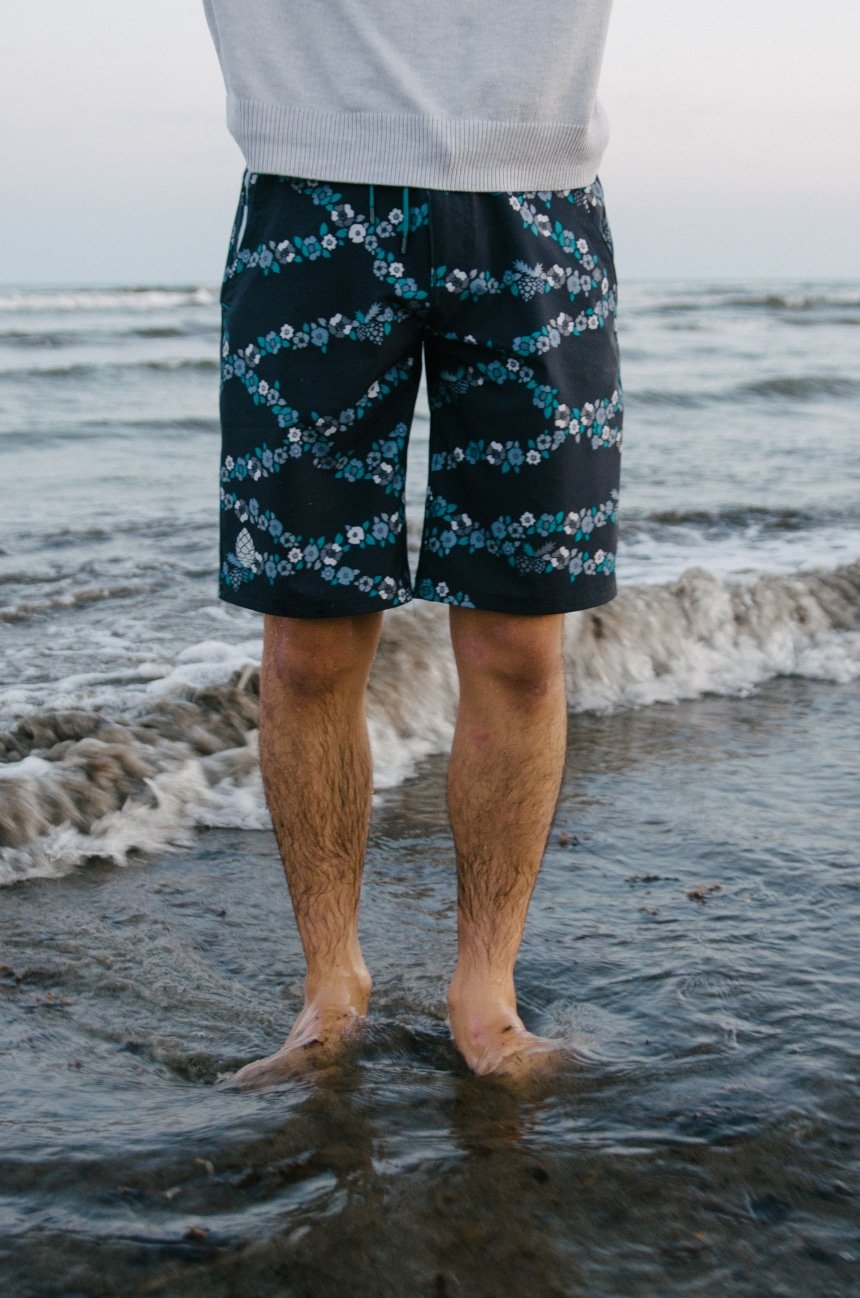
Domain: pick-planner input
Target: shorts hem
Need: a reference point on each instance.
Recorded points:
(591, 598)
(259, 605)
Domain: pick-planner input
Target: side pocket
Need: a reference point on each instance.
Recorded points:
(244, 200)
(604, 226)
(228, 273)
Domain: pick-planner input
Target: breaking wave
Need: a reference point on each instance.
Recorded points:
(81, 369)
(108, 299)
(84, 783)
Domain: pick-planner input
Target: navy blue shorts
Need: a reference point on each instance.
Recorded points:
(331, 296)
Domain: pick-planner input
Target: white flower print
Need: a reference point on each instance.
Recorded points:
(342, 214)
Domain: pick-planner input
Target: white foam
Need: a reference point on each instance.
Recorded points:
(699, 634)
(29, 765)
(125, 299)
(162, 818)
(207, 663)
(703, 635)
(744, 554)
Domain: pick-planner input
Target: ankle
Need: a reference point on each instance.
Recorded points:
(481, 988)
(339, 981)
(480, 1015)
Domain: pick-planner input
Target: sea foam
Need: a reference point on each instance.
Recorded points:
(174, 747)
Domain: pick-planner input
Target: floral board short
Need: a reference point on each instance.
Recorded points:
(331, 295)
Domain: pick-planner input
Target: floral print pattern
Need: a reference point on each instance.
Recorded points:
(517, 540)
(383, 464)
(325, 317)
(348, 226)
(293, 553)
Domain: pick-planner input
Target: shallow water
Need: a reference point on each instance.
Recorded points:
(705, 1140)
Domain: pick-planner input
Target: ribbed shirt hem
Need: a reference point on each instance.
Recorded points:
(403, 149)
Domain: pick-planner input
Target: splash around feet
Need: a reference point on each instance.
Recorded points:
(317, 1039)
(510, 1052)
(494, 1041)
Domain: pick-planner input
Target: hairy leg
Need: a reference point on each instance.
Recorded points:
(503, 783)
(316, 766)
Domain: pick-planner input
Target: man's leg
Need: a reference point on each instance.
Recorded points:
(503, 783)
(315, 761)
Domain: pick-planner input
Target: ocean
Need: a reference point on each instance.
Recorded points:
(693, 931)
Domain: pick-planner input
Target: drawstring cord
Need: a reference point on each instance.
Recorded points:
(405, 214)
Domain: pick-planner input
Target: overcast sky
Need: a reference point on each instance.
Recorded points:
(733, 150)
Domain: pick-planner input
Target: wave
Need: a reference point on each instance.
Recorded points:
(154, 331)
(82, 369)
(801, 387)
(95, 429)
(28, 338)
(739, 517)
(648, 397)
(132, 298)
(27, 609)
(79, 785)
(789, 301)
(78, 337)
(794, 301)
(795, 387)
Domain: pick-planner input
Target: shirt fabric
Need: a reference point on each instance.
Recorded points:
(446, 94)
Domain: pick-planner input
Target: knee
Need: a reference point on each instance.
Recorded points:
(311, 657)
(521, 653)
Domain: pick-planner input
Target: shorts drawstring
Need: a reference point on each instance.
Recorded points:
(405, 214)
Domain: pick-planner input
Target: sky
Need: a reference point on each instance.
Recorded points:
(733, 149)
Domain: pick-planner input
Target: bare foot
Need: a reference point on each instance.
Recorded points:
(315, 1040)
(493, 1039)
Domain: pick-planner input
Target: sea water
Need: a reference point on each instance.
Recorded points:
(693, 932)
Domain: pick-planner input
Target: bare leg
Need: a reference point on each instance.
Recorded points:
(503, 783)
(315, 761)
